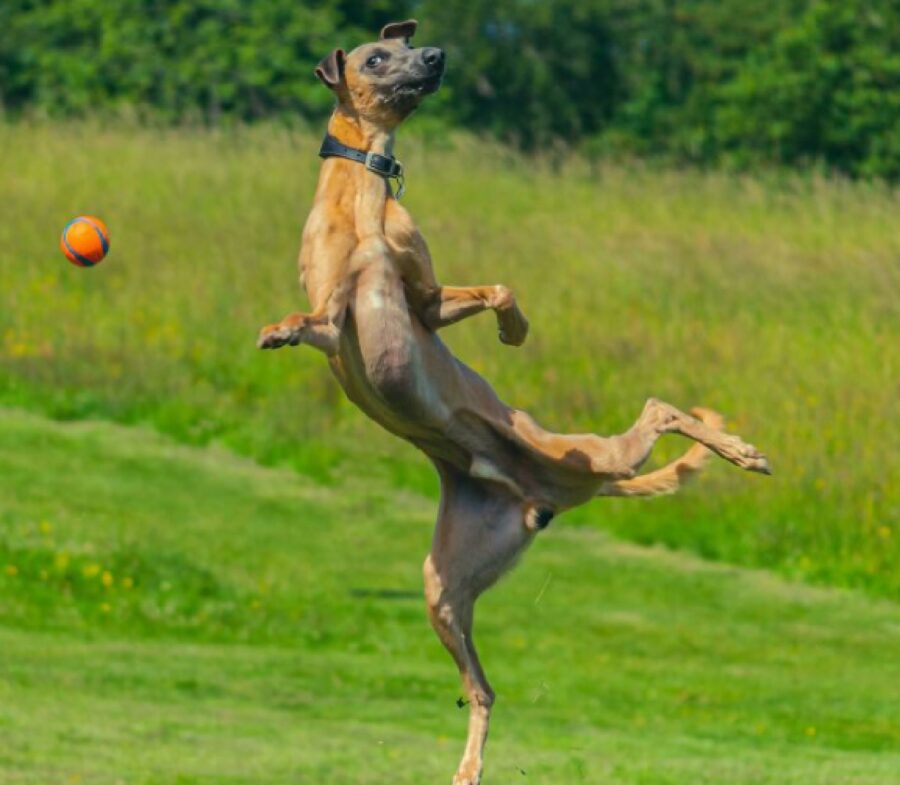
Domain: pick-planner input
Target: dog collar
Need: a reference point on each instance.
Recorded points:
(386, 166)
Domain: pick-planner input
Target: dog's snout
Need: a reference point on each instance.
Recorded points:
(433, 57)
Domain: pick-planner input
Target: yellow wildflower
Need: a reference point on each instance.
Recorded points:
(107, 578)
(12, 570)
(91, 570)
(127, 582)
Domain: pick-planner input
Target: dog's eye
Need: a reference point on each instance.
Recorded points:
(374, 61)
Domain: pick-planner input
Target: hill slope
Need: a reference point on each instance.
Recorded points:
(175, 615)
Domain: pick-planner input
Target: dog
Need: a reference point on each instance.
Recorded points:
(376, 311)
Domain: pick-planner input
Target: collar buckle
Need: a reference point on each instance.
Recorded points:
(372, 163)
(380, 164)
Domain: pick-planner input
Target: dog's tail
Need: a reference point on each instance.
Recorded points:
(672, 476)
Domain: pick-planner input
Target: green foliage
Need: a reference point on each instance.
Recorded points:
(826, 89)
(675, 54)
(537, 72)
(200, 58)
(287, 642)
(796, 82)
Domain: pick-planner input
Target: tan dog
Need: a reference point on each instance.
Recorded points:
(376, 307)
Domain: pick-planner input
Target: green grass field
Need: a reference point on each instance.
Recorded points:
(178, 615)
(775, 300)
(210, 561)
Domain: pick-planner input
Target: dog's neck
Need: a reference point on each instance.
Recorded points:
(350, 129)
(370, 189)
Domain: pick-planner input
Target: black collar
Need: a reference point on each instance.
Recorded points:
(385, 165)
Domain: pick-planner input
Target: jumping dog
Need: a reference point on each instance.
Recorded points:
(376, 310)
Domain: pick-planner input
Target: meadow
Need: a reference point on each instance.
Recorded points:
(774, 299)
(174, 615)
(178, 510)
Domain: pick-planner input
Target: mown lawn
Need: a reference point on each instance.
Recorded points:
(774, 299)
(172, 614)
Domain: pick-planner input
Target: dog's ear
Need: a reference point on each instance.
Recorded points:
(404, 30)
(331, 68)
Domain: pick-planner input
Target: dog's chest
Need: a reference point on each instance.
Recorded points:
(379, 291)
(384, 329)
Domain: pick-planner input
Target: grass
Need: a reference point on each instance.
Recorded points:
(181, 615)
(773, 299)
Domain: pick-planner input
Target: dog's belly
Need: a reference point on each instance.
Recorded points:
(404, 377)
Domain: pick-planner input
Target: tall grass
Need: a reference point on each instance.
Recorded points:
(774, 299)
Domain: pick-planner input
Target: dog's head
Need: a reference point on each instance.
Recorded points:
(383, 82)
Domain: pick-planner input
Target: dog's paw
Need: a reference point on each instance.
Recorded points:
(270, 337)
(744, 455)
(513, 327)
(286, 332)
(468, 775)
(753, 460)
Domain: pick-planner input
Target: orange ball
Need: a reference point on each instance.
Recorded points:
(85, 241)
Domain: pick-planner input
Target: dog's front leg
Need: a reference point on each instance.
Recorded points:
(320, 329)
(450, 304)
(511, 322)
(315, 330)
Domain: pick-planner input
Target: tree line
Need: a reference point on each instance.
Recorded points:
(792, 82)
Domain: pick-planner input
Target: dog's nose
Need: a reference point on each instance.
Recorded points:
(433, 57)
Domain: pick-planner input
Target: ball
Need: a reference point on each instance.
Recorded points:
(85, 241)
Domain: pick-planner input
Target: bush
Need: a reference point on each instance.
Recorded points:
(795, 82)
(827, 89)
(183, 58)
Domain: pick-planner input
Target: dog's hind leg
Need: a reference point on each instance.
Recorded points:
(451, 616)
(480, 533)
(619, 457)
(659, 417)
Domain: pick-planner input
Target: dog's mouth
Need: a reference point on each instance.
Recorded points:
(414, 88)
(431, 84)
